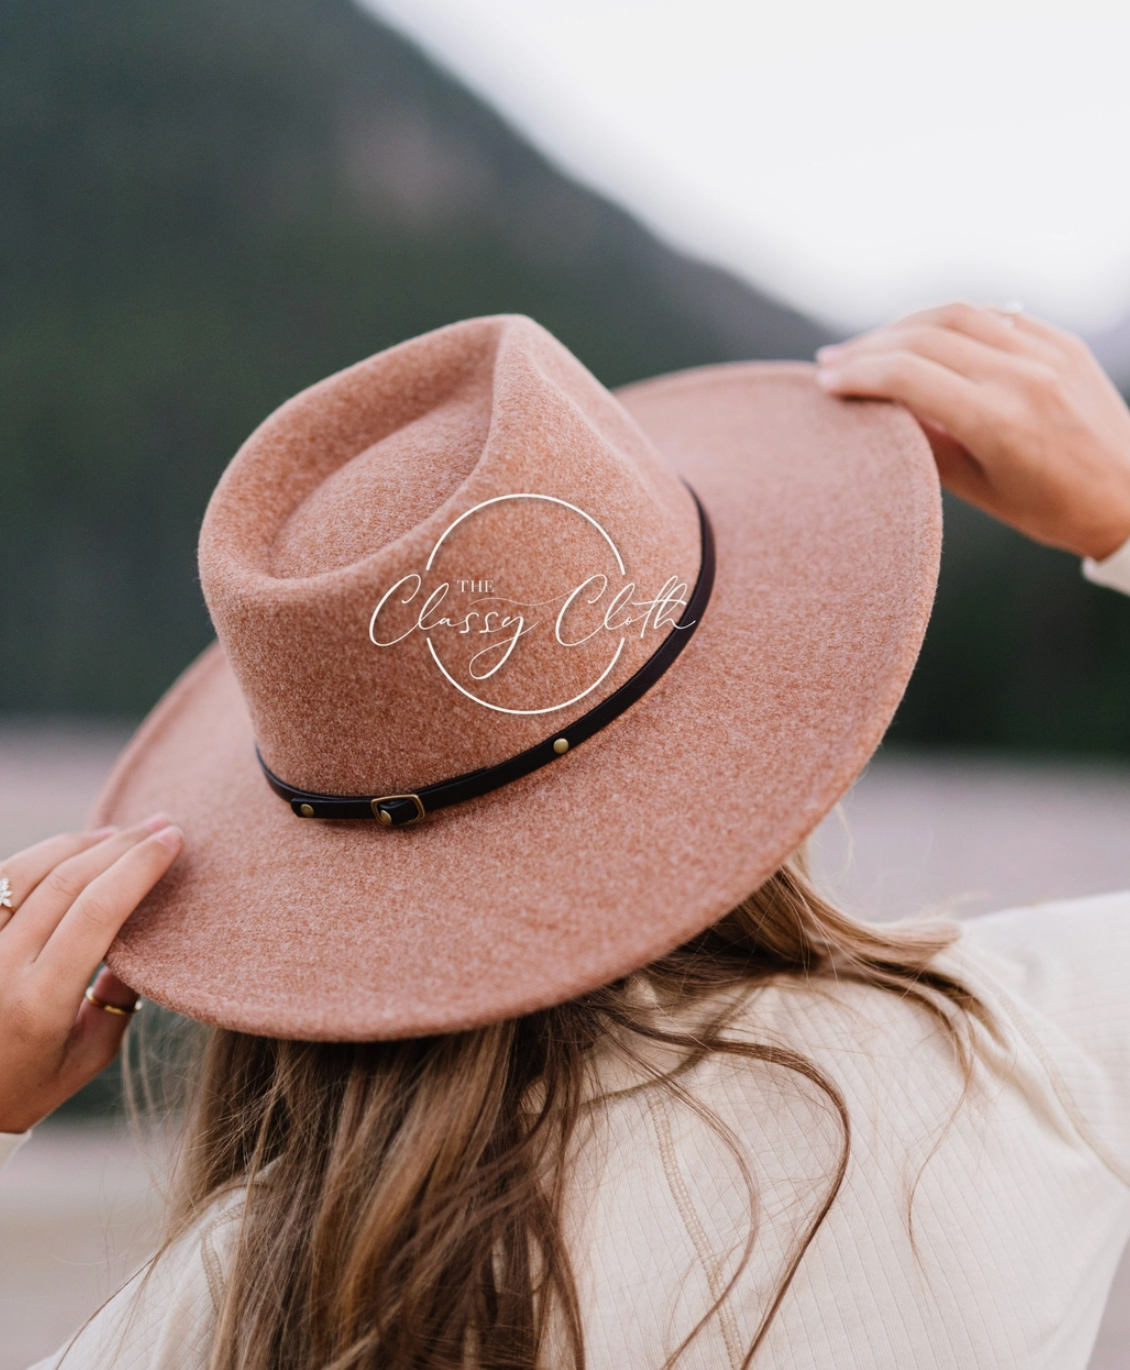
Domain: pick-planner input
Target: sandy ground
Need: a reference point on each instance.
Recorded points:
(79, 1206)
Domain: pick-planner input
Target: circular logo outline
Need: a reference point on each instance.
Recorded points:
(552, 708)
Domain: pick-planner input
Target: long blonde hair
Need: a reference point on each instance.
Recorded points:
(402, 1201)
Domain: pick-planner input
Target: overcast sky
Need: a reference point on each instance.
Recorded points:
(856, 158)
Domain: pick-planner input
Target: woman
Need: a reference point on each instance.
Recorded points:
(443, 1117)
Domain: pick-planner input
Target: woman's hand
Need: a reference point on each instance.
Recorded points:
(68, 896)
(1023, 421)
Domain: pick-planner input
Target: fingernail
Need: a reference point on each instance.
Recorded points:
(830, 380)
(158, 821)
(171, 836)
(829, 351)
(104, 832)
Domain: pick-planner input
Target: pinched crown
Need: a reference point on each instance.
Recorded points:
(432, 560)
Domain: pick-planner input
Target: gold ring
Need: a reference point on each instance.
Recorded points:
(112, 1008)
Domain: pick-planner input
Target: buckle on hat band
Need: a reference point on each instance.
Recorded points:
(394, 810)
(400, 810)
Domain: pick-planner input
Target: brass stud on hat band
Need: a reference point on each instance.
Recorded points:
(561, 746)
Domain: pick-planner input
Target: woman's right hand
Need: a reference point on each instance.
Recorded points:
(1023, 421)
(69, 897)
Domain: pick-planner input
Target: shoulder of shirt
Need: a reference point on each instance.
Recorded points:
(200, 1253)
(164, 1317)
(1094, 930)
(1058, 973)
(209, 1241)
(1066, 961)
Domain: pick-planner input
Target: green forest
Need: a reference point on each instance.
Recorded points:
(206, 206)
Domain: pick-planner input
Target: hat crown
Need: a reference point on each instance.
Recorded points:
(434, 559)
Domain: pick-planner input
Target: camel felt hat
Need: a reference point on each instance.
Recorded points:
(461, 553)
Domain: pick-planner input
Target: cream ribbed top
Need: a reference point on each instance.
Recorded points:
(1020, 1214)
(982, 1232)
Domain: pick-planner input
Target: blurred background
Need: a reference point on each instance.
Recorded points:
(206, 205)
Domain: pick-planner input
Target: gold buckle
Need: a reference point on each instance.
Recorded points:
(386, 818)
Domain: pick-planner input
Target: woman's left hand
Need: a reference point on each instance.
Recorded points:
(1023, 421)
(63, 903)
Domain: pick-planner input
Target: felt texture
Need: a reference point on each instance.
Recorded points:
(345, 490)
(827, 521)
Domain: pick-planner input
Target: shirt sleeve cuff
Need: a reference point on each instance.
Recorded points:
(1112, 571)
(10, 1143)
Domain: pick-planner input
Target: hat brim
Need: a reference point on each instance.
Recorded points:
(827, 521)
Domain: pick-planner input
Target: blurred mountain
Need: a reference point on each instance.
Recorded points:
(206, 205)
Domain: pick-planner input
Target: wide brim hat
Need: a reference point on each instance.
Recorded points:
(486, 457)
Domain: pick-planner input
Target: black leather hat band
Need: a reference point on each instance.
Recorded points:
(396, 810)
